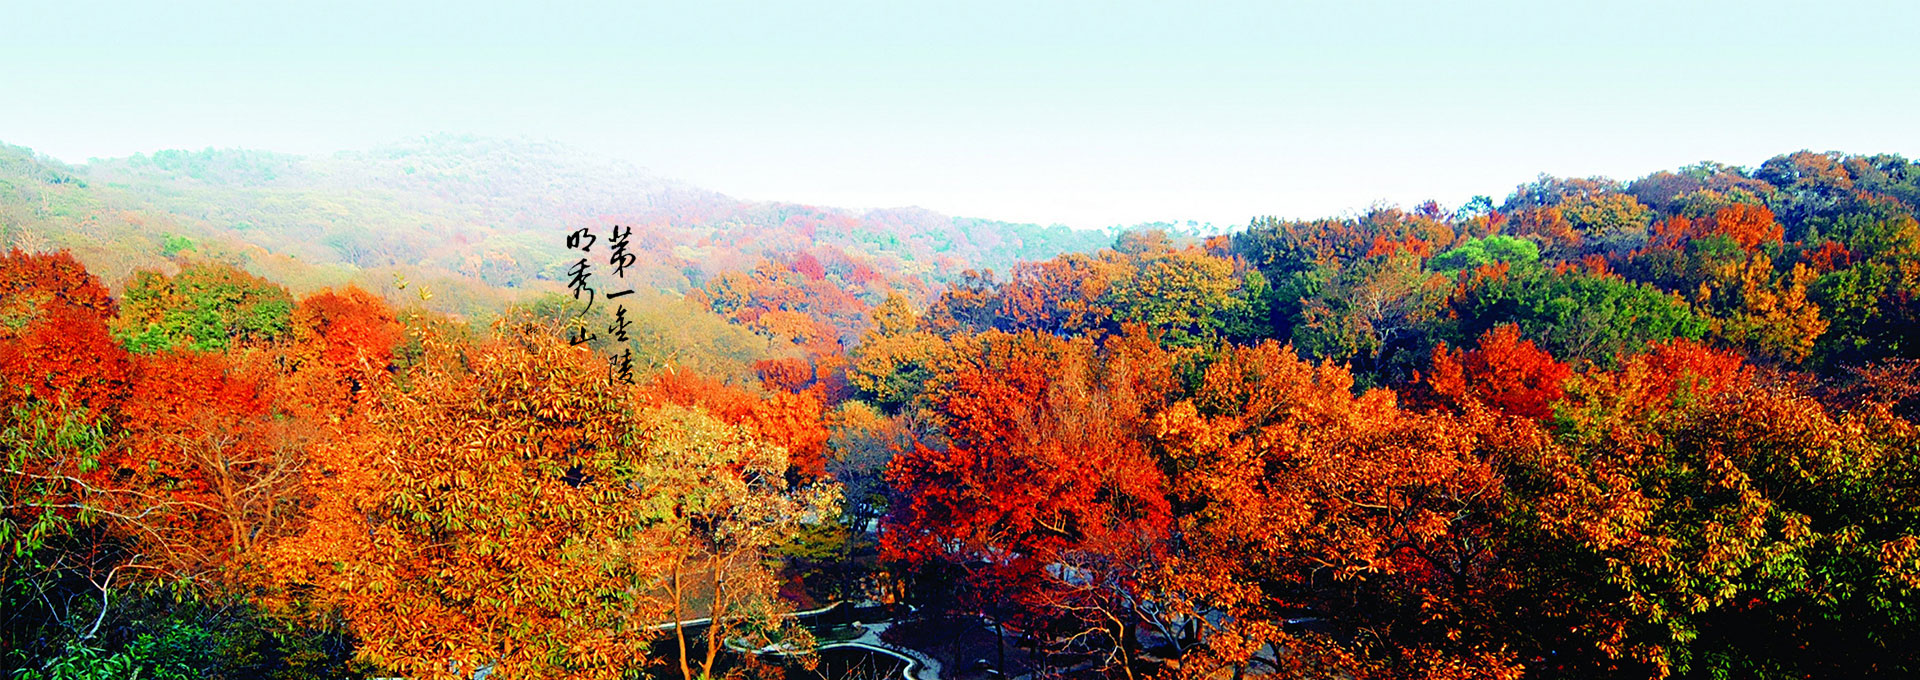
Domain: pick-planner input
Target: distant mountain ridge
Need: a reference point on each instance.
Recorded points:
(480, 221)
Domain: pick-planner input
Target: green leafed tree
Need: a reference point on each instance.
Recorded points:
(1574, 314)
(205, 307)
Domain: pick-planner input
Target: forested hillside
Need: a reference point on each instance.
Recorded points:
(1645, 429)
(1596, 429)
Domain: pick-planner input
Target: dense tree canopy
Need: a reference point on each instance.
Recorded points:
(1598, 429)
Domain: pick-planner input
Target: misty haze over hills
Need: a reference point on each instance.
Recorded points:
(469, 215)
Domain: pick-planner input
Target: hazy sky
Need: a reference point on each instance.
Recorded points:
(1085, 113)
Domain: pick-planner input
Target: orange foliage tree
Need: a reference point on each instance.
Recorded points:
(1328, 533)
(481, 516)
(62, 382)
(795, 421)
(1041, 489)
(205, 441)
(1506, 372)
(1697, 518)
(509, 508)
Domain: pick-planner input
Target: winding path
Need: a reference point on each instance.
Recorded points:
(919, 665)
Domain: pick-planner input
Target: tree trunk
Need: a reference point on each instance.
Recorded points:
(715, 633)
(679, 617)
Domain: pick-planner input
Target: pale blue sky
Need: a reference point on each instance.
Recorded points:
(1085, 113)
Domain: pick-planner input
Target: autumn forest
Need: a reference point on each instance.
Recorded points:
(270, 416)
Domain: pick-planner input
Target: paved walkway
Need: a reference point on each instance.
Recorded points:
(919, 665)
